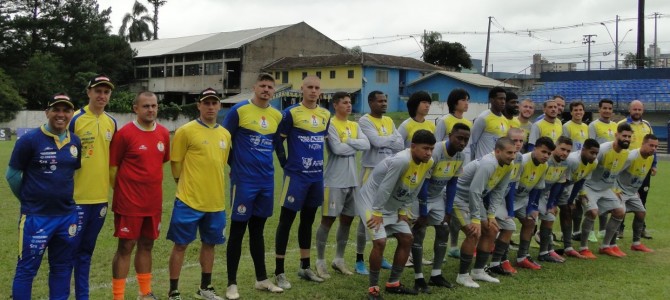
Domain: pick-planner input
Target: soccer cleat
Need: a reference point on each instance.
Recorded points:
(440, 281)
(420, 286)
(508, 267)
(577, 236)
(147, 296)
(548, 258)
(308, 274)
(498, 270)
(266, 285)
(574, 253)
(322, 270)
(528, 263)
(386, 264)
(374, 293)
(587, 254)
(282, 281)
(410, 261)
(397, 288)
(426, 262)
(208, 293)
(609, 251)
(481, 275)
(616, 249)
(360, 268)
(174, 295)
(341, 267)
(466, 280)
(232, 293)
(592, 237)
(641, 248)
(454, 252)
(555, 255)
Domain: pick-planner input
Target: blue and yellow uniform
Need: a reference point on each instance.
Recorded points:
(601, 131)
(544, 128)
(408, 127)
(578, 133)
(444, 125)
(305, 130)
(253, 130)
(487, 129)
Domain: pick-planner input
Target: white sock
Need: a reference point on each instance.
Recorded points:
(495, 263)
(434, 272)
(418, 275)
(568, 249)
(637, 243)
(544, 252)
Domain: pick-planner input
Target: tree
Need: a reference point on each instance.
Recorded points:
(450, 55)
(136, 23)
(156, 4)
(10, 100)
(431, 37)
(630, 60)
(355, 50)
(41, 79)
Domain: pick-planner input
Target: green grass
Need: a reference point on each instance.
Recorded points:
(641, 276)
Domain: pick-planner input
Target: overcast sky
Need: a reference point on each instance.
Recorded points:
(356, 22)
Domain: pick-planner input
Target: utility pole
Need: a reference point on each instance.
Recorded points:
(589, 41)
(640, 34)
(616, 44)
(488, 41)
(655, 38)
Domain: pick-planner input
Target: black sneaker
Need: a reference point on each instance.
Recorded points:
(440, 281)
(548, 258)
(577, 237)
(374, 293)
(421, 286)
(498, 270)
(400, 289)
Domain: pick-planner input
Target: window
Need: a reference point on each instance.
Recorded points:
(141, 73)
(213, 69)
(168, 71)
(304, 74)
(332, 74)
(277, 75)
(141, 61)
(178, 71)
(318, 74)
(213, 55)
(350, 74)
(382, 76)
(193, 57)
(284, 77)
(157, 72)
(192, 70)
(233, 53)
(157, 60)
(178, 58)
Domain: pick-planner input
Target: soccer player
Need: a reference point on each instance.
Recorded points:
(95, 128)
(345, 139)
(599, 198)
(580, 166)
(385, 201)
(603, 129)
(384, 142)
(41, 175)
(418, 106)
(560, 106)
(479, 192)
(435, 205)
(522, 121)
(549, 126)
(575, 129)
(639, 163)
(457, 103)
(252, 125)
(531, 174)
(305, 126)
(199, 155)
(511, 106)
(490, 125)
(137, 155)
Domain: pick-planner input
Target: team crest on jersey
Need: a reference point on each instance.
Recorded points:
(255, 140)
(643, 170)
(103, 212)
(553, 134)
(383, 130)
(615, 163)
(581, 132)
(447, 168)
(108, 135)
(348, 131)
(315, 123)
(222, 144)
(160, 146)
(532, 177)
(609, 132)
(73, 151)
(401, 193)
(264, 122)
(72, 230)
(413, 178)
(290, 199)
(241, 209)
(502, 127)
(307, 162)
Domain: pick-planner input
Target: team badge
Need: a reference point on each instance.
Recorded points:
(241, 209)
(315, 123)
(532, 176)
(447, 168)
(643, 170)
(264, 122)
(553, 134)
(160, 146)
(413, 179)
(502, 127)
(72, 230)
(307, 162)
(103, 212)
(73, 151)
(108, 135)
(383, 130)
(290, 199)
(222, 144)
(53, 167)
(609, 132)
(615, 163)
(348, 132)
(581, 132)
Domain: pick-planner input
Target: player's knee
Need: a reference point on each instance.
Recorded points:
(179, 248)
(618, 213)
(640, 215)
(379, 243)
(592, 214)
(405, 239)
(327, 221)
(126, 247)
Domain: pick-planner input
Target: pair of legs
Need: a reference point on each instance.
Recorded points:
(91, 218)
(480, 237)
(436, 211)
(338, 202)
(391, 226)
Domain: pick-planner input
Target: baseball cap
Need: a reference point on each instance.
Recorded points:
(100, 79)
(207, 93)
(60, 98)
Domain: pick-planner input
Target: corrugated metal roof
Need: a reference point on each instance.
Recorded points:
(474, 79)
(363, 59)
(203, 42)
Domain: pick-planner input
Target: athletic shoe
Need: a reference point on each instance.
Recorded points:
(528, 263)
(592, 237)
(641, 248)
(498, 270)
(266, 285)
(386, 264)
(308, 274)
(147, 296)
(601, 234)
(398, 288)
(587, 254)
(466, 280)
(341, 267)
(410, 261)
(536, 237)
(507, 266)
(616, 249)
(440, 281)
(646, 235)
(577, 236)
(548, 258)
(426, 262)
(555, 255)
(231, 292)
(207, 294)
(374, 293)
(619, 234)
(322, 270)
(174, 295)
(282, 281)
(574, 253)
(360, 268)
(421, 286)
(609, 251)
(454, 252)
(481, 275)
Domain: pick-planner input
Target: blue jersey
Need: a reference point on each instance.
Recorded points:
(252, 129)
(48, 167)
(305, 130)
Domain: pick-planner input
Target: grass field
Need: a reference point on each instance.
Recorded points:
(638, 276)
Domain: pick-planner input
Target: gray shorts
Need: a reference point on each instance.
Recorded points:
(391, 225)
(544, 215)
(506, 224)
(339, 201)
(603, 201)
(633, 203)
(563, 199)
(436, 211)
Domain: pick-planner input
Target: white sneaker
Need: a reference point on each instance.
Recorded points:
(426, 262)
(267, 285)
(282, 282)
(341, 267)
(322, 270)
(209, 294)
(466, 280)
(308, 274)
(231, 292)
(410, 261)
(481, 275)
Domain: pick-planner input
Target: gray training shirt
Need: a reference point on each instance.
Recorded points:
(384, 139)
(480, 178)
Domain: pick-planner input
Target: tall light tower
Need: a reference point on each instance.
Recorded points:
(588, 40)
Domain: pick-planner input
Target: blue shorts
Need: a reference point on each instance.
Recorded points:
(185, 223)
(297, 193)
(251, 199)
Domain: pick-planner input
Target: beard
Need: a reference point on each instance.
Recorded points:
(623, 144)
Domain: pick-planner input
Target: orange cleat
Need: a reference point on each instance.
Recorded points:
(609, 251)
(574, 253)
(528, 263)
(618, 251)
(507, 266)
(587, 254)
(641, 248)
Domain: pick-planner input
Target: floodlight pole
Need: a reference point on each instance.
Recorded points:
(486, 57)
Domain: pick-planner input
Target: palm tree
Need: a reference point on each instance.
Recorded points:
(137, 23)
(156, 4)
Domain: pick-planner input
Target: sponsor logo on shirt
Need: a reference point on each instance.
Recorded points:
(125, 229)
(143, 147)
(73, 151)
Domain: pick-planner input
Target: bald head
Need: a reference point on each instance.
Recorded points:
(311, 90)
(636, 109)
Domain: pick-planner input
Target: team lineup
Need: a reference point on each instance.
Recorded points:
(453, 174)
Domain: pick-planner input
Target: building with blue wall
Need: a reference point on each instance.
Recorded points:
(440, 83)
